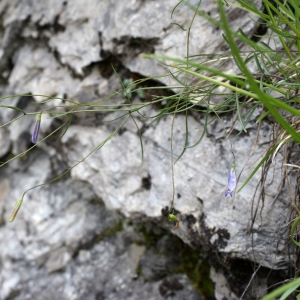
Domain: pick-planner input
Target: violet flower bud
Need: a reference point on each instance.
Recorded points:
(36, 129)
(231, 181)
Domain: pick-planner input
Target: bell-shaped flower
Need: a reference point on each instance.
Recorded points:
(231, 181)
(36, 129)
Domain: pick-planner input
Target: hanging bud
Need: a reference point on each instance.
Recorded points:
(231, 181)
(173, 218)
(15, 210)
(36, 129)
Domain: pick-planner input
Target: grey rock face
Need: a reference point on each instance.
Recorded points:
(64, 244)
(200, 184)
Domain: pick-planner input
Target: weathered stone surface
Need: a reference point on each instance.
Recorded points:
(81, 31)
(200, 183)
(58, 244)
(65, 244)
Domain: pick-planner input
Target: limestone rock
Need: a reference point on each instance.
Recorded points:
(59, 243)
(65, 244)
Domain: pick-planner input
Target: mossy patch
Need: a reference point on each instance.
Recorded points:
(189, 260)
(179, 258)
(196, 269)
(112, 231)
(151, 234)
(118, 226)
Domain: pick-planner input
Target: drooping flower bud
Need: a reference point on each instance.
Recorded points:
(173, 218)
(231, 181)
(15, 210)
(36, 129)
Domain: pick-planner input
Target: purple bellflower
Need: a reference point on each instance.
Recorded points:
(231, 181)
(36, 129)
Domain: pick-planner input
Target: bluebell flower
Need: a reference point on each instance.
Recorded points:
(36, 129)
(231, 181)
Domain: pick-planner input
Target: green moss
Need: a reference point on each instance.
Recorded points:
(196, 270)
(190, 263)
(118, 226)
(151, 233)
(138, 270)
(111, 231)
(96, 202)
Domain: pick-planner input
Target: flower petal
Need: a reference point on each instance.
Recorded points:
(231, 181)
(36, 129)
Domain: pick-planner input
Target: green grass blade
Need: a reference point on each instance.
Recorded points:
(239, 112)
(282, 289)
(294, 226)
(257, 167)
(267, 100)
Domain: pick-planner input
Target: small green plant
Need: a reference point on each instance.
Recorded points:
(130, 87)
